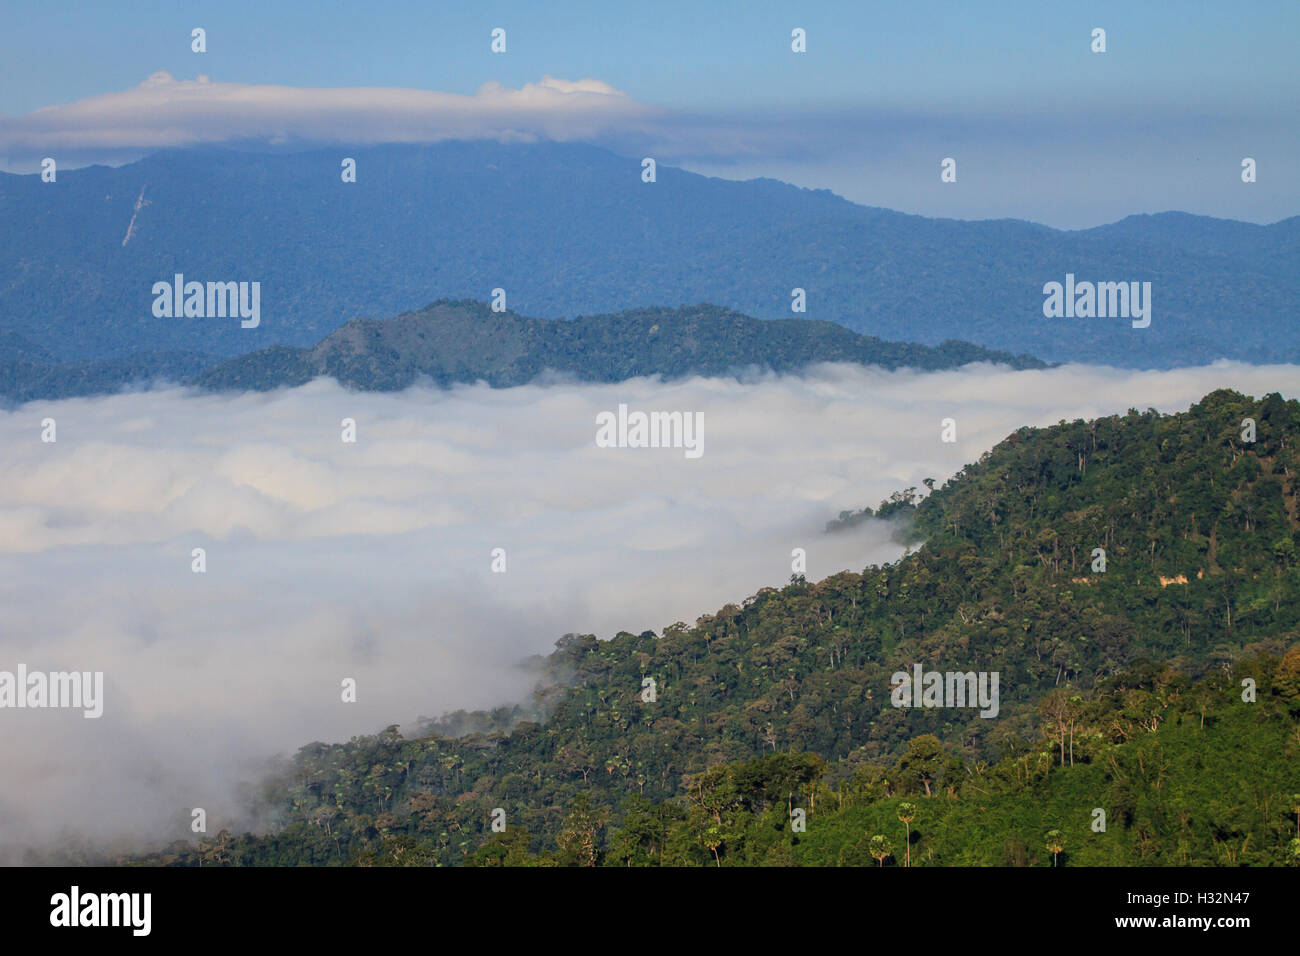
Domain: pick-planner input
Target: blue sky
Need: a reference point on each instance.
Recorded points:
(1161, 120)
(723, 55)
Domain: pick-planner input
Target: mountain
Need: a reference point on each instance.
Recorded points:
(37, 377)
(464, 341)
(15, 348)
(570, 229)
(1121, 688)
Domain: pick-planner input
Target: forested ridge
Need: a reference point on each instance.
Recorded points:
(466, 341)
(1121, 690)
(449, 342)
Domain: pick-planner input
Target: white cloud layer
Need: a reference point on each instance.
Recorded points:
(327, 560)
(166, 112)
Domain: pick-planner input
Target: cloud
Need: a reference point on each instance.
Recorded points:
(165, 112)
(1075, 169)
(372, 560)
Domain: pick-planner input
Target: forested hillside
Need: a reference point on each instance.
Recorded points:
(465, 341)
(1120, 689)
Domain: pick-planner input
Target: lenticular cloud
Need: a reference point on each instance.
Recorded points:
(166, 112)
(373, 560)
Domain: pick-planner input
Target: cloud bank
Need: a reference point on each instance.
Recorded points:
(166, 112)
(372, 560)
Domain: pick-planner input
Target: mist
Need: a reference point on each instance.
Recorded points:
(373, 560)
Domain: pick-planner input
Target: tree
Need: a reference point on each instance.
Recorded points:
(1286, 683)
(907, 813)
(579, 839)
(509, 848)
(216, 853)
(880, 848)
(856, 854)
(714, 838)
(919, 767)
(641, 839)
(1055, 843)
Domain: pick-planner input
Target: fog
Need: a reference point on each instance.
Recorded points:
(373, 560)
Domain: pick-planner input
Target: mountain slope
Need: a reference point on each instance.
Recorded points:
(37, 378)
(1201, 535)
(568, 229)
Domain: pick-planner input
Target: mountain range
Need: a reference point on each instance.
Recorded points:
(570, 229)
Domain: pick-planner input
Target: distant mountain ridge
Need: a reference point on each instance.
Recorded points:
(570, 229)
(465, 341)
(30, 373)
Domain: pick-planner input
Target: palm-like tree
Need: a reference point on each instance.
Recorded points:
(1055, 843)
(906, 814)
(879, 848)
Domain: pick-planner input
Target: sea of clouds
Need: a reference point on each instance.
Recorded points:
(373, 560)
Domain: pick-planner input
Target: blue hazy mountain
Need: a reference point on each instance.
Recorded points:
(570, 230)
(465, 341)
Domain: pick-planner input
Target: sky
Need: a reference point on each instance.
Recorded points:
(373, 560)
(1042, 127)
